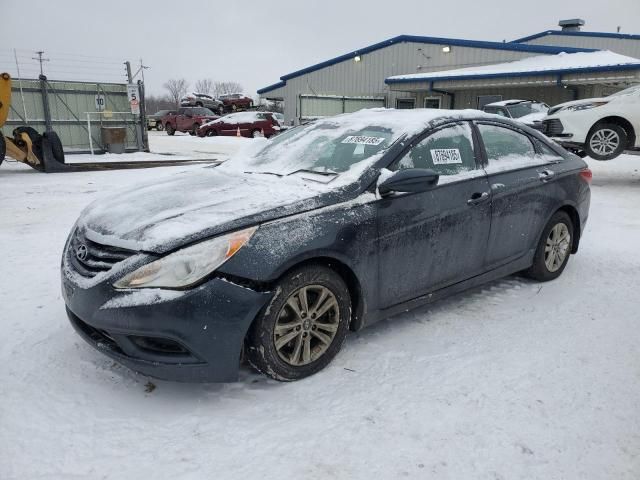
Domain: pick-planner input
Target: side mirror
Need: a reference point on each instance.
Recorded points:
(409, 180)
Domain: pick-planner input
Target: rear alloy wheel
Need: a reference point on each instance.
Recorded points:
(554, 249)
(303, 327)
(170, 129)
(606, 141)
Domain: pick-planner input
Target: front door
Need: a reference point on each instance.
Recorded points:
(435, 238)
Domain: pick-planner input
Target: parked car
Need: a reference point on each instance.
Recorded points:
(247, 124)
(599, 127)
(187, 119)
(325, 228)
(529, 112)
(202, 100)
(155, 120)
(236, 101)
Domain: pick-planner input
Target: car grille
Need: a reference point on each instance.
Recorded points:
(90, 258)
(552, 127)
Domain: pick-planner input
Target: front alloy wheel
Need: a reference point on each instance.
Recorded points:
(303, 327)
(606, 141)
(306, 325)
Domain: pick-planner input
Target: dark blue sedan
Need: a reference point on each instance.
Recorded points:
(326, 228)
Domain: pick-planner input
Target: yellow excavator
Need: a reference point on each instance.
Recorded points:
(42, 152)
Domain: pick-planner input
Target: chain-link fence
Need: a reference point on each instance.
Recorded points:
(77, 112)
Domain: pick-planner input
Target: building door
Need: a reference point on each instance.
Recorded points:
(405, 103)
(432, 102)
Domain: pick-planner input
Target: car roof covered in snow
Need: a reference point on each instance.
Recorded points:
(505, 103)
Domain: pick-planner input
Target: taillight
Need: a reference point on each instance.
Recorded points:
(587, 175)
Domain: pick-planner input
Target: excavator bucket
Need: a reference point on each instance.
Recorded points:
(42, 152)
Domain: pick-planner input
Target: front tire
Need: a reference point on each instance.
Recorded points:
(606, 141)
(554, 249)
(303, 327)
(159, 127)
(170, 129)
(194, 130)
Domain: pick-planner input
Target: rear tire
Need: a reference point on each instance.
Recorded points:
(554, 249)
(159, 127)
(170, 129)
(606, 141)
(303, 327)
(194, 130)
(256, 133)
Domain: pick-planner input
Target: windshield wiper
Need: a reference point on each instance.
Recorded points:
(327, 173)
(267, 173)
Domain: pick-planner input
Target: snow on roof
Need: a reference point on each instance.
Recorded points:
(562, 62)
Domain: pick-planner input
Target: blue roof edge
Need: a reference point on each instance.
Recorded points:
(456, 42)
(622, 36)
(535, 73)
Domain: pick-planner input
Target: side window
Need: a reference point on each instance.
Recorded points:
(447, 151)
(504, 145)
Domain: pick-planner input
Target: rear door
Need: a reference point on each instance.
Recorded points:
(521, 173)
(435, 238)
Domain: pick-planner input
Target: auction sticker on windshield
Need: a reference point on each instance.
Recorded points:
(361, 140)
(445, 156)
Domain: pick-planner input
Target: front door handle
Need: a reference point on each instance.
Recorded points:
(546, 175)
(477, 198)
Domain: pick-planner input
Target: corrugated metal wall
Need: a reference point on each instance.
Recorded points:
(366, 78)
(622, 46)
(68, 104)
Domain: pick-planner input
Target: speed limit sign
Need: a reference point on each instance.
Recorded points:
(134, 98)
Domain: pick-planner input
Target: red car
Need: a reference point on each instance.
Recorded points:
(245, 124)
(236, 101)
(187, 119)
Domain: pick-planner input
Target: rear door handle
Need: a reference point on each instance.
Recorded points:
(477, 198)
(546, 175)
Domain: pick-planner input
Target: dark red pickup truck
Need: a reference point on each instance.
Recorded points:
(187, 119)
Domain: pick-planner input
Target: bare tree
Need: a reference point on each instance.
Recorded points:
(153, 103)
(223, 88)
(204, 86)
(177, 89)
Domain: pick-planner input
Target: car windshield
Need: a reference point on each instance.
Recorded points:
(322, 147)
(521, 109)
(627, 91)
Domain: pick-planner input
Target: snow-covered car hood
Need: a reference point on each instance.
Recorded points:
(531, 118)
(585, 101)
(160, 216)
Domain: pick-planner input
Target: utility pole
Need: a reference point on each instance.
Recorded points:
(128, 67)
(142, 68)
(40, 59)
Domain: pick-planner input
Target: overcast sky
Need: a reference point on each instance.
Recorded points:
(254, 42)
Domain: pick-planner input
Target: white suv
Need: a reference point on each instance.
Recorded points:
(599, 127)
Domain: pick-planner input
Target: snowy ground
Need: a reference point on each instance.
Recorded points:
(515, 380)
(180, 146)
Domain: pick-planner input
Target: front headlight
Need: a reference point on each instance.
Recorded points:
(188, 266)
(586, 106)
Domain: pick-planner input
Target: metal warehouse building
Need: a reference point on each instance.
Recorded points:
(376, 76)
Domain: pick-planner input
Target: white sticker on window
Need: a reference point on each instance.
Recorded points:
(445, 156)
(361, 140)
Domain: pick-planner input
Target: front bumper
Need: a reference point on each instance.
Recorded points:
(190, 336)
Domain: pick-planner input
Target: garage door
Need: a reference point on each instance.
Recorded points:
(318, 106)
